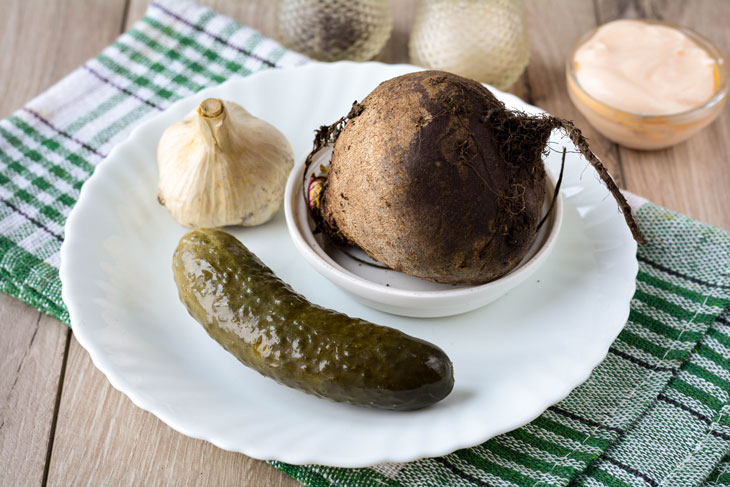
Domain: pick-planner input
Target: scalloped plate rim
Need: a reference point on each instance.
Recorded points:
(83, 331)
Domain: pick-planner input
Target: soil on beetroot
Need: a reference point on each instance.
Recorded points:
(469, 182)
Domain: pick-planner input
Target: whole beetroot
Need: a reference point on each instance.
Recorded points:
(433, 176)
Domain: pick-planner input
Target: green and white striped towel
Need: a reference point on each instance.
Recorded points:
(654, 413)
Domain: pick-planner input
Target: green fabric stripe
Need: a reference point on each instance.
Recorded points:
(365, 476)
(712, 355)
(723, 469)
(302, 474)
(38, 182)
(689, 390)
(673, 309)
(644, 345)
(18, 265)
(607, 479)
(548, 446)
(563, 430)
(210, 55)
(687, 293)
(721, 475)
(162, 95)
(110, 131)
(230, 65)
(187, 66)
(114, 100)
(471, 458)
(57, 171)
(662, 328)
(705, 374)
(177, 78)
(677, 355)
(721, 337)
(528, 461)
(52, 144)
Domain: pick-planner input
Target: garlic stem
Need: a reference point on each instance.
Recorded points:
(213, 123)
(210, 107)
(221, 166)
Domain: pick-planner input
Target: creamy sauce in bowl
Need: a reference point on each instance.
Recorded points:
(647, 84)
(645, 68)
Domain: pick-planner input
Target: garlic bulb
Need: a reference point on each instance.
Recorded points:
(222, 166)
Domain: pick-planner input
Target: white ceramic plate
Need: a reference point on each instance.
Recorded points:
(512, 359)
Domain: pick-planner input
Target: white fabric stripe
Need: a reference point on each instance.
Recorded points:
(703, 385)
(686, 304)
(388, 469)
(482, 474)
(68, 144)
(667, 319)
(584, 481)
(642, 355)
(537, 453)
(560, 440)
(682, 282)
(15, 227)
(622, 474)
(715, 345)
(588, 430)
(69, 97)
(681, 343)
(118, 81)
(503, 462)
(93, 131)
(54, 260)
(711, 366)
(36, 240)
(53, 157)
(690, 402)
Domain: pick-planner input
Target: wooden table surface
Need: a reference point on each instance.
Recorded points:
(61, 423)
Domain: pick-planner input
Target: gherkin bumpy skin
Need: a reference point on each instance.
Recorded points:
(277, 332)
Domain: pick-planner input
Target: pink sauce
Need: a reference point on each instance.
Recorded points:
(645, 68)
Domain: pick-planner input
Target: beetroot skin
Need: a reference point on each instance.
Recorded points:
(433, 176)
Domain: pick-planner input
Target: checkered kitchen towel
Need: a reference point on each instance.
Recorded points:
(654, 413)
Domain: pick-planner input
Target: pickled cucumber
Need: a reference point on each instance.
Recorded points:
(277, 332)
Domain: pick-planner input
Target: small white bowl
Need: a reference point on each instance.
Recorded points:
(391, 291)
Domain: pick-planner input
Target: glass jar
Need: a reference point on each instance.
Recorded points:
(485, 40)
(334, 30)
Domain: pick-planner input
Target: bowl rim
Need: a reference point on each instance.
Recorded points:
(293, 201)
(718, 56)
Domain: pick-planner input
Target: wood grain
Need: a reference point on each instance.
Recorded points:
(31, 354)
(396, 49)
(692, 177)
(104, 439)
(552, 36)
(100, 437)
(122, 444)
(254, 13)
(40, 42)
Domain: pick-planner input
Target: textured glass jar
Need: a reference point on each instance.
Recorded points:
(333, 30)
(485, 40)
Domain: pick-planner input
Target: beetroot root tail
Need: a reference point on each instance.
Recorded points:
(581, 143)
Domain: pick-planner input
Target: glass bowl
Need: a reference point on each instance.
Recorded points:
(642, 131)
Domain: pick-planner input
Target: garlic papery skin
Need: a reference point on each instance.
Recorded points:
(222, 166)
